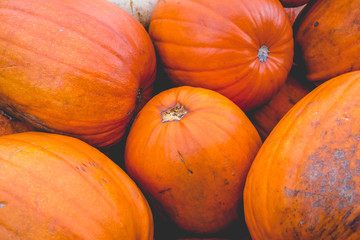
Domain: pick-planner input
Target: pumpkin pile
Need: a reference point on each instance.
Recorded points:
(169, 119)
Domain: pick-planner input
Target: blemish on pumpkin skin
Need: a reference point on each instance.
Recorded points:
(2, 204)
(355, 224)
(316, 24)
(94, 164)
(183, 162)
(165, 190)
(16, 152)
(139, 95)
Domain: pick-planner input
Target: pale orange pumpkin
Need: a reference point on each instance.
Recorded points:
(189, 149)
(58, 187)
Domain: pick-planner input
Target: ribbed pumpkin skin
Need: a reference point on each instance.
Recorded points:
(58, 187)
(215, 44)
(326, 39)
(194, 168)
(74, 67)
(304, 183)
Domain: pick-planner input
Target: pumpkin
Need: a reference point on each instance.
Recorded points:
(293, 12)
(58, 187)
(9, 125)
(189, 149)
(241, 49)
(267, 116)
(326, 39)
(79, 68)
(140, 9)
(293, 3)
(304, 182)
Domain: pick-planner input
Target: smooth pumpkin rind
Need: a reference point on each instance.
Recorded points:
(304, 181)
(174, 161)
(215, 44)
(58, 187)
(74, 68)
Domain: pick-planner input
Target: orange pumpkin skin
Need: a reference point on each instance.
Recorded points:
(215, 45)
(193, 169)
(267, 116)
(10, 125)
(78, 68)
(326, 39)
(304, 182)
(293, 3)
(58, 187)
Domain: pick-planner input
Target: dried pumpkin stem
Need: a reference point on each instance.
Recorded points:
(175, 113)
(263, 53)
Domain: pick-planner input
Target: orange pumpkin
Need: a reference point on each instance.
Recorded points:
(267, 116)
(10, 125)
(78, 68)
(242, 49)
(189, 149)
(304, 183)
(327, 39)
(58, 187)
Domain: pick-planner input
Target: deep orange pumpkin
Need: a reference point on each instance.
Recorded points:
(304, 183)
(58, 187)
(189, 149)
(327, 39)
(242, 49)
(78, 68)
(293, 3)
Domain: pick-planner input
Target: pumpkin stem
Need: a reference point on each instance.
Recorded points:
(263, 53)
(175, 113)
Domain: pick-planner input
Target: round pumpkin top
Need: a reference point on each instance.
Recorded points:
(58, 187)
